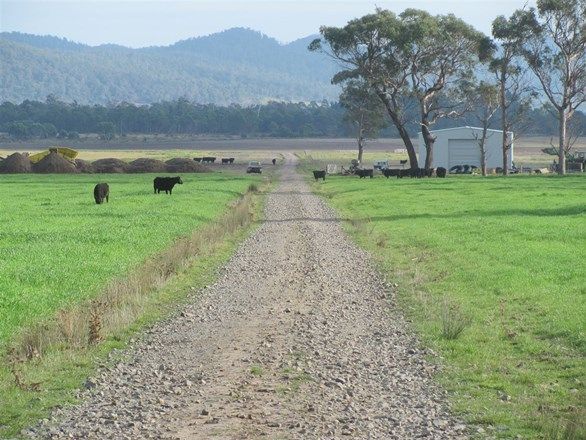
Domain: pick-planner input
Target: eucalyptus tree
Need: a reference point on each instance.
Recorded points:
(555, 50)
(484, 100)
(516, 92)
(363, 111)
(413, 55)
(443, 52)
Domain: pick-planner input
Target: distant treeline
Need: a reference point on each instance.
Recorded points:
(53, 118)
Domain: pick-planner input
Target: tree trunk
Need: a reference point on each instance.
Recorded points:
(483, 148)
(562, 141)
(429, 140)
(408, 144)
(402, 131)
(360, 148)
(505, 145)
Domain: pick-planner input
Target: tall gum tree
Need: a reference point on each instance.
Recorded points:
(413, 55)
(442, 51)
(515, 92)
(556, 53)
(372, 49)
(364, 112)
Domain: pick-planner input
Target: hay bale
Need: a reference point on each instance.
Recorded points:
(110, 165)
(16, 163)
(146, 165)
(54, 163)
(83, 166)
(185, 165)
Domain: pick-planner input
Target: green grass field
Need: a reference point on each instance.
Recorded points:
(505, 259)
(57, 246)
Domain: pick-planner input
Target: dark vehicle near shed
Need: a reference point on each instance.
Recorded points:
(254, 167)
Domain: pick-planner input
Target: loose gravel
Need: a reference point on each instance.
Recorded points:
(298, 339)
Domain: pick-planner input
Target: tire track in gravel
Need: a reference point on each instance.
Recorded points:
(296, 340)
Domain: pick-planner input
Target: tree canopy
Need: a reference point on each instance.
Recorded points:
(411, 58)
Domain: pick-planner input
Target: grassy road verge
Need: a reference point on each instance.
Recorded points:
(492, 273)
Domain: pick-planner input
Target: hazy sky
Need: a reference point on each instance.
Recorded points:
(141, 23)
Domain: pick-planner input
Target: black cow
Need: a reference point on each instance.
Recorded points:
(224, 160)
(197, 159)
(422, 172)
(391, 172)
(319, 174)
(365, 173)
(274, 161)
(441, 172)
(101, 192)
(408, 172)
(208, 159)
(166, 184)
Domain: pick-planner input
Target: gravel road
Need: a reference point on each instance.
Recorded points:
(298, 339)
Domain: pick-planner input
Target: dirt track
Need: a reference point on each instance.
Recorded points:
(297, 339)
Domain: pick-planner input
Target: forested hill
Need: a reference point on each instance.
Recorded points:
(236, 66)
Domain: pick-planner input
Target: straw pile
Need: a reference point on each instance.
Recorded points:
(15, 163)
(83, 166)
(146, 165)
(185, 165)
(110, 165)
(54, 163)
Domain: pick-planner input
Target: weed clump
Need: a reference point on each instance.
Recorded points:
(454, 322)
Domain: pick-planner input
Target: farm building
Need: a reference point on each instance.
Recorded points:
(460, 146)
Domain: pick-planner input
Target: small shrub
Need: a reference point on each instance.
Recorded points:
(453, 322)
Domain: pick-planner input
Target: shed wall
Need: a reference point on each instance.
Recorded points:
(459, 146)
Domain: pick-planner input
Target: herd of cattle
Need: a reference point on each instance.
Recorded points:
(392, 172)
(102, 190)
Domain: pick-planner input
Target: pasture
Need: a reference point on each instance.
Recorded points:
(57, 246)
(502, 261)
(61, 253)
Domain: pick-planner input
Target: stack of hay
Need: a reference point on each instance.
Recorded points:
(15, 163)
(110, 165)
(54, 163)
(83, 166)
(185, 165)
(146, 165)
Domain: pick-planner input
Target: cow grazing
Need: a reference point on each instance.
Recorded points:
(391, 172)
(441, 172)
(101, 193)
(319, 174)
(224, 160)
(365, 173)
(197, 159)
(166, 184)
(274, 161)
(208, 159)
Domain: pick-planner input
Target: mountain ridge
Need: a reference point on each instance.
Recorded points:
(235, 66)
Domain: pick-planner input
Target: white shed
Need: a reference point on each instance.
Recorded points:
(460, 146)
